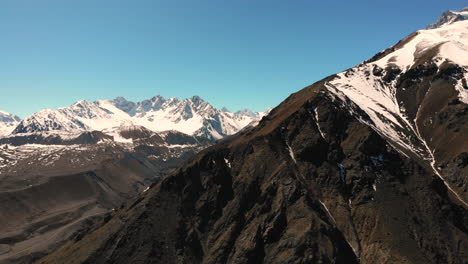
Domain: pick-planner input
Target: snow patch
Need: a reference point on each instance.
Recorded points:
(227, 162)
(291, 153)
(317, 122)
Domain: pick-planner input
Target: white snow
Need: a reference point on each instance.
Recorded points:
(334, 222)
(6, 129)
(328, 212)
(181, 146)
(452, 40)
(191, 116)
(378, 101)
(359, 88)
(227, 162)
(8, 122)
(317, 122)
(462, 92)
(291, 153)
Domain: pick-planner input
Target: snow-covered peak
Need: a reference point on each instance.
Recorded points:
(449, 17)
(192, 116)
(124, 105)
(445, 44)
(48, 120)
(6, 117)
(153, 104)
(247, 112)
(8, 122)
(197, 100)
(266, 112)
(257, 115)
(372, 85)
(402, 91)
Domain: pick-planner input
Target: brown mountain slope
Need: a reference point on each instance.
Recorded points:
(55, 185)
(309, 184)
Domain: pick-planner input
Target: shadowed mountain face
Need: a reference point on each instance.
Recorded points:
(366, 166)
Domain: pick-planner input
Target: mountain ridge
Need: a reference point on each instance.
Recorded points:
(449, 17)
(192, 116)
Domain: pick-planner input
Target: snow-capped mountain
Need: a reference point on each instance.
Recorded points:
(377, 86)
(191, 116)
(257, 115)
(415, 94)
(8, 122)
(450, 17)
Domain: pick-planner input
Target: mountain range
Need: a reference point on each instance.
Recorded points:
(365, 166)
(192, 116)
(63, 170)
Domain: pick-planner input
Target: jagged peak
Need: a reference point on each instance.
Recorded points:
(246, 112)
(156, 113)
(173, 100)
(120, 99)
(44, 111)
(450, 17)
(9, 115)
(6, 117)
(197, 100)
(158, 97)
(81, 105)
(81, 102)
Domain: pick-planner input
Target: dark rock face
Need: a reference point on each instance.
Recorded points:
(309, 184)
(87, 138)
(431, 102)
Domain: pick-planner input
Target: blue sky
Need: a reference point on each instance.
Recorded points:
(237, 53)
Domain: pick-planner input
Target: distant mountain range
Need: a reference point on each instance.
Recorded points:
(192, 116)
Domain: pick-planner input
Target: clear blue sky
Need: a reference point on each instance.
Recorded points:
(233, 53)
